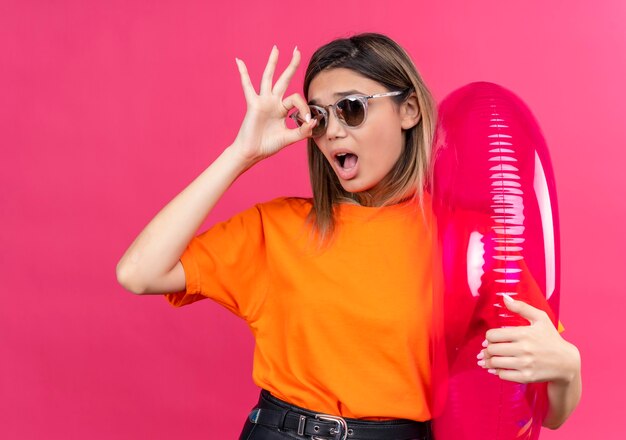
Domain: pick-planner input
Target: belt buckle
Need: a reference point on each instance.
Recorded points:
(339, 433)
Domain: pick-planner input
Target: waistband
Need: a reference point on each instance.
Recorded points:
(278, 414)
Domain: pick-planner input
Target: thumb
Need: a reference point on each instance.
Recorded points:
(300, 133)
(523, 309)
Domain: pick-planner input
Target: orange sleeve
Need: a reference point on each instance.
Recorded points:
(227, 263)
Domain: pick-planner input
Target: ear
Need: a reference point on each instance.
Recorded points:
(410, 113)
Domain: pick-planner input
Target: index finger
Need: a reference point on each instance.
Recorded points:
(283, 81)
(505, 334)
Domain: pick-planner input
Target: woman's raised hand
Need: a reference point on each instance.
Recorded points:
(152, 262)
(264, 131)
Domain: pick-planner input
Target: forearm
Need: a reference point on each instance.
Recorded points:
(159, 246)
(564, 394)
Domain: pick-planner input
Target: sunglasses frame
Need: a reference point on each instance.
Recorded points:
(363, 99)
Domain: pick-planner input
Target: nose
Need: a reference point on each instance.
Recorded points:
(334, 128)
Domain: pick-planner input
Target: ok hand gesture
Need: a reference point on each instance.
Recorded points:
(263, 131)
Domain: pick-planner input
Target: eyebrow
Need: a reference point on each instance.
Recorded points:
(339, 95)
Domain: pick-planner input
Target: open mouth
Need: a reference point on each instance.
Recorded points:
(346, 165)
(346, 160)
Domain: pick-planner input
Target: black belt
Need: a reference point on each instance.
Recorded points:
(276, 414)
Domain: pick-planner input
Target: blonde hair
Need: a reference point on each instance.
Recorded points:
(379, 58)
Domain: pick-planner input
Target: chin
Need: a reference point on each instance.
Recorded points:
(355, 187)
(352, 186)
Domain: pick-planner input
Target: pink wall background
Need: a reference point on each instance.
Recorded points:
(108, 109)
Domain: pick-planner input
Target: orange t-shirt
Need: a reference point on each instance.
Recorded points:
(342, 329)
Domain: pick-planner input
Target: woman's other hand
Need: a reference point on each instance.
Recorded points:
(264, 131)
(536, 353)
(533, 353)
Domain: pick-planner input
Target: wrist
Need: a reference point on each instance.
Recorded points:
(570, 365)
(239, 159)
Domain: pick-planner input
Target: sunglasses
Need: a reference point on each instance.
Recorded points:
(351, 111)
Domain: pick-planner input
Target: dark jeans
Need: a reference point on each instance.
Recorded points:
(253, 431)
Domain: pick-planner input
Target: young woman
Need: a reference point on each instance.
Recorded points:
(337, 288)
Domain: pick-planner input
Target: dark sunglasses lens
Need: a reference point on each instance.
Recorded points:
(320, 127)
(352, 111)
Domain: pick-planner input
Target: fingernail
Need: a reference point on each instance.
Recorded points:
(485, 343)
(492, 371)
(507, 298)
(295, 49)
(481, 363)
(480, 355)
(307, 118)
